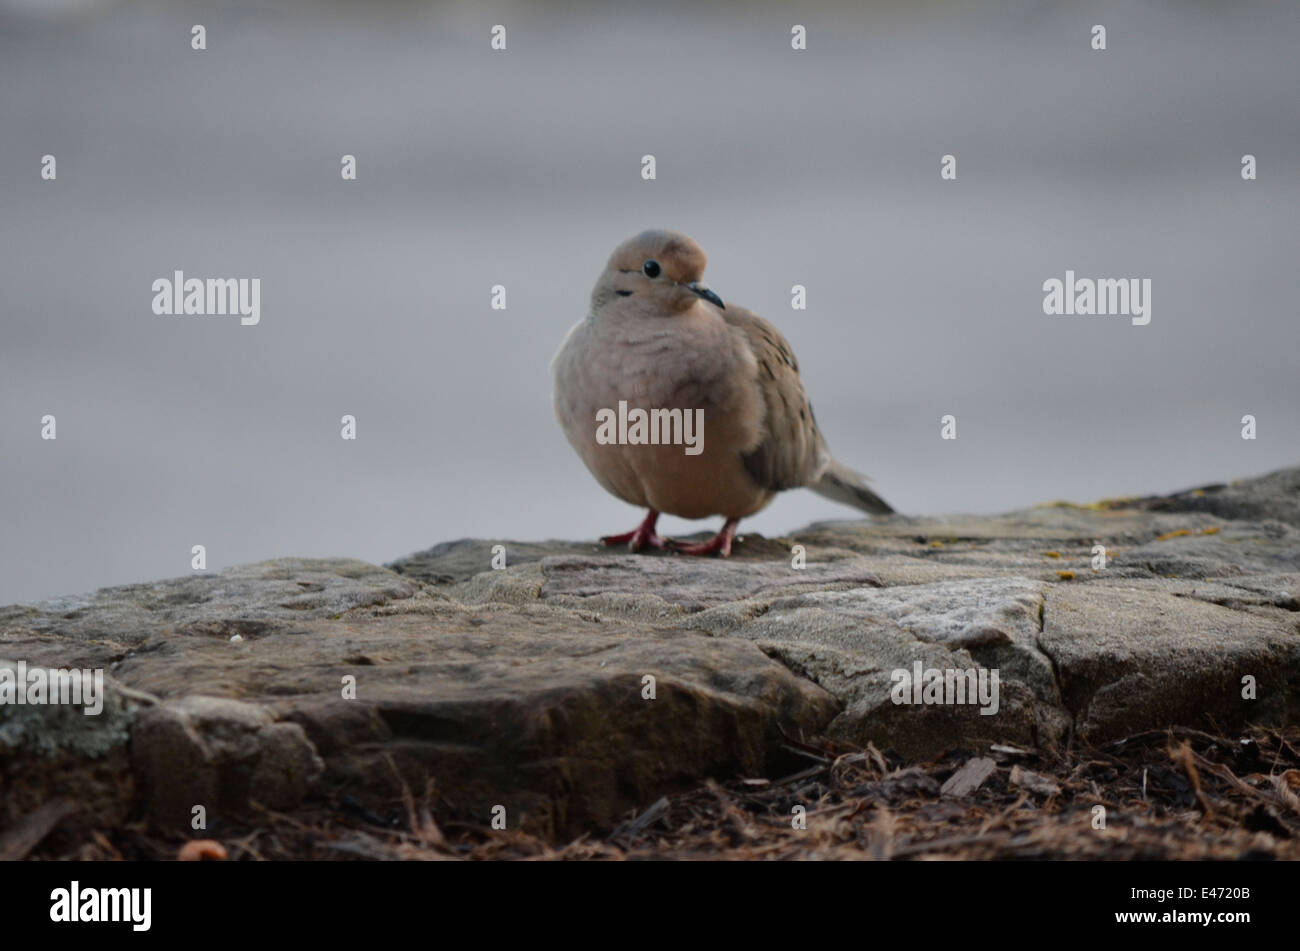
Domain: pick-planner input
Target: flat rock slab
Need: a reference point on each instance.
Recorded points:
(1130, 654)
(691, 584)
(853, 643)
(577, 683)
(564, 721)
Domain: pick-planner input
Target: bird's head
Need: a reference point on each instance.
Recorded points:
(660, 270)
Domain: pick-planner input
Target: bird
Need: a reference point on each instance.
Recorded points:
(657, 338)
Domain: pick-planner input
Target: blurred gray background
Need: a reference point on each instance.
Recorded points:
(523, 168)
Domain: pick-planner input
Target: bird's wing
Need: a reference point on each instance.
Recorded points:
(791, 451)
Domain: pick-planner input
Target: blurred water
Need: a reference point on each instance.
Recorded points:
(522, 168)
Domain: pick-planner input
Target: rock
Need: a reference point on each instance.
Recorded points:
(530, 687)
(851, 642)
(91, 728)
(461, 560)
(536, 708)
(53, 751)
(223, 755)
(682, 586)
(546, 714)
(1034, 782)
(464, 558)
(1138, 653)
(248, 600)
(1274, 496)
(969, 778)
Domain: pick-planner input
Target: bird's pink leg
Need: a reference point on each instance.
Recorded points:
(640, 537)
(720, 543)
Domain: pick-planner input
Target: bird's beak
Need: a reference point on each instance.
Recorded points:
(703, 291)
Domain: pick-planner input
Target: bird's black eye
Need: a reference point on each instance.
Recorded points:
(651, 268)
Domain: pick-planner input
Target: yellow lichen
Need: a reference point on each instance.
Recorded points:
(1101, 505)
(1174, 534)
(1065, 575)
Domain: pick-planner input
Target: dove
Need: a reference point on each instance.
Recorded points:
(658, 340)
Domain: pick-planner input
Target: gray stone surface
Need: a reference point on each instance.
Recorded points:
(222, 755)
(526, 686)
(1275, 496)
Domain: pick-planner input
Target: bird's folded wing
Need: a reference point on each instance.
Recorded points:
(791, 451)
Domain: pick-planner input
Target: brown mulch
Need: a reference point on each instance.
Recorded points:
(1177, 794)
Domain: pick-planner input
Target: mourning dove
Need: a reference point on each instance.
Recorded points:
(659, 352)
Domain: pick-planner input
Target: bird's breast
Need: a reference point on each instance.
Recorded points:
(662, 414)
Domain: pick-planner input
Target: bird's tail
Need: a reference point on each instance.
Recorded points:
(842, 484)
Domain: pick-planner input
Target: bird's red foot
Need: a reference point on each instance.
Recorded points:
(720, 543)
(641, 537)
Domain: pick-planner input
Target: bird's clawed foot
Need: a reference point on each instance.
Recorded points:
(720, 543)
(641, 537)
(644, 536)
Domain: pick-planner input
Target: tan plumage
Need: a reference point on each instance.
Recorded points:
(659, 339)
